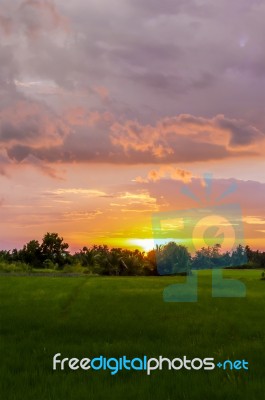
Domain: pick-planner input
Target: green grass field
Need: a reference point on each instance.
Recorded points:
(90, 316)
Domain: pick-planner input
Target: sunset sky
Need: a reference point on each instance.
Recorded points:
(109, 108)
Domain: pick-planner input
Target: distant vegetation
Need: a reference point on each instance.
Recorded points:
(53, 255)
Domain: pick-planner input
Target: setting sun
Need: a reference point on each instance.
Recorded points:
(142, 244)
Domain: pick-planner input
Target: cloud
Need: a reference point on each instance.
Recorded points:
(170, 54)
(187, 138)
(254, 220)
(35, 11)
(82, 136)
(45, 168)
(170, 196)
(102, 92)
(5, 25)
(166, 172)
(79, 191)
(32, 18)
(140, 197)
(164, 93)
(74, 216)
(241, 134)
(139, 201)
(29, 125)
(4, 163)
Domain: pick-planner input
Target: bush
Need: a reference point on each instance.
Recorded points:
(15, 267)
(48, 264)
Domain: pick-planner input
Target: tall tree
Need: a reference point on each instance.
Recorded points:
(54, 248)
(173, 259)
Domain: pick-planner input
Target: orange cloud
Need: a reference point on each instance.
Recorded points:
(80, 191)
(163, 138)
(81, 135)
(135, 202)
(166, 172)
(133, 135)
(254, 220)
(74, 216)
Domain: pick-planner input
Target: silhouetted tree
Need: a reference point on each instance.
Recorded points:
(54, 248)
(31, 254)
(173, 259)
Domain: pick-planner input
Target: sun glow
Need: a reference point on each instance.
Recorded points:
(142, 244)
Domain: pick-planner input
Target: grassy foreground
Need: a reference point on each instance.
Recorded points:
(89, 316)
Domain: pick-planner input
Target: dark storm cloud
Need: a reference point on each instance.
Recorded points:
(241, 135)
(30, 123)
(192, 60)
(167, 47)
(82, 153)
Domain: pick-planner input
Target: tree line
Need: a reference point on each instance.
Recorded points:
(169, 259)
